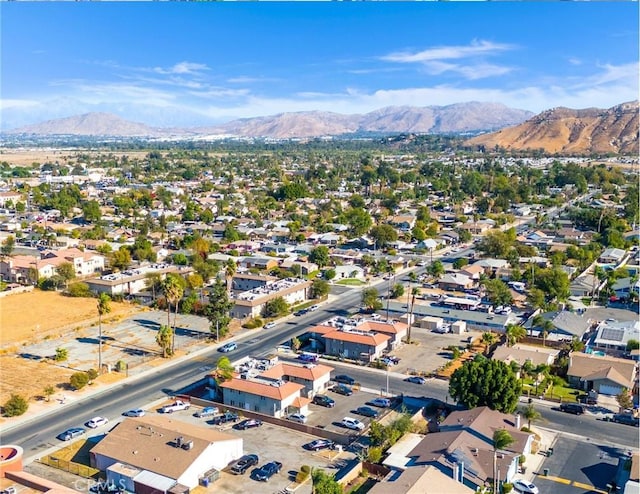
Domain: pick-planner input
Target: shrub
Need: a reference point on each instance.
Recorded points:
(121, 366)
(15, 406)
(507, 488)
(303, 474)
(92, 374)
(62, 354)
(375, 454)
(79, 380)
(78, 289)
(253, 323)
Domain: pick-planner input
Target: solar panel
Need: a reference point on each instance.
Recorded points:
(612, 334)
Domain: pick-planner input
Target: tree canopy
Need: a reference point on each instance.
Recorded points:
(485, 382)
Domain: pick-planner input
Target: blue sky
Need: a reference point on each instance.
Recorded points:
(166, 63)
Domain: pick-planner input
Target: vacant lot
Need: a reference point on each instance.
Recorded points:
(27, 317)
(28, 377)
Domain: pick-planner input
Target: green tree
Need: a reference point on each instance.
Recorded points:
(498, 292)
(15, 406)
(152, 281)
(7, 246)
(531, 414)
(436, 269)
(554, 282)
(121, 258)
(164, 337)
(330, 273)
(48, 391)
(295, 343)
(104, 307)
(485, 382)
(460, 262)
(625, 400)
(324, 483)
(383, 235)
(62, 354)
(359, 220)
(515, 333)
(633, 345)
(501, 440)
(276, 307)
(319, 288)
(91, 211)
(217, 310)
(397, 290)
(79, 380)
(536, 298)
(66, 271)
(496, 244)
(319, 255)
(224, 370)
(371, 300)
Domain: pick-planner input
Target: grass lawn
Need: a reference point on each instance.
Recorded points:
(351, 282)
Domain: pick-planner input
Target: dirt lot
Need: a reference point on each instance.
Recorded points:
(27, 317)
(26, 157)
(29, 378)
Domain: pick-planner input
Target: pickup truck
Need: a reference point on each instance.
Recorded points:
(207, 412)
(176, 406)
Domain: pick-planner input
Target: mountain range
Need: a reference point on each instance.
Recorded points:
(563, 130)
(456, 118)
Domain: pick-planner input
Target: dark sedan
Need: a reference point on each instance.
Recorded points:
(248, 424)
(366, 412)
(267, 471)
(344, 379)
(341, 389)
(324, 400)
(319, 444)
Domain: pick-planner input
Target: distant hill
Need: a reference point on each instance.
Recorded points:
(563, 130)
(461, 117)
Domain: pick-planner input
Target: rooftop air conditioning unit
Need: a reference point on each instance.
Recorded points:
(187, 446)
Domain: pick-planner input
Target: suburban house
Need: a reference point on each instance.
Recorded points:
(605, 375)
(612, 256)
(397, 331)
(455, 281)
(349, 271)
(156, 453)
(521, 353)
(133, 281)
(424, 479)
(314, 377)
(352, 343)
(623, 287)
(243, 282)
(403, 223)
(25, 269)
(614, 335)
(473, 271)
(262, 263)
(566, 325)
(84, 263)
(463, 447)
(9, 197)
(266, 395)
(586, 285)
(252, 302)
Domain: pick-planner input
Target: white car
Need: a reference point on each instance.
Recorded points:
(351, 423)
(298, 417)
(97, 422)
(314, 308)
(137, 412)
(270, 325)
(381, 402)
(525, 487)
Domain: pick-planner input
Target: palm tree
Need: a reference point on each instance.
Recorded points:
(501, 439)
(488, 338)
(152, 280)
(229, 270)
(414, 291)
(531, 414)
(173, 292)
(104, 307)
(515, 333)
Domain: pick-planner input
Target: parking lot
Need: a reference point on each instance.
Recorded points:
(271, 443)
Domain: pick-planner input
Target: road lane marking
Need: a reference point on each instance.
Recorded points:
(558, 479)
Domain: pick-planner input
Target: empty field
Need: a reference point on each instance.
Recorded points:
(28, 317)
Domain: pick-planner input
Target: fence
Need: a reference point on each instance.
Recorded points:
(69, 466)
(336, 437)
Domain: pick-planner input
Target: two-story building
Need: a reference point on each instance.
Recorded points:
(252, 302)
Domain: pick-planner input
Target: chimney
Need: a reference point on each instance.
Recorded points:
(518, 421)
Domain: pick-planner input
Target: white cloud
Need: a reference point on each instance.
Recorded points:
(182, 68)
(476, 48)
(17, 103)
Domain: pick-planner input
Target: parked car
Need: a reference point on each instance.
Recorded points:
(176, 406)
(298, 417)
(344, 379)
(207, 412)
(341, 389)
(319, 444)
(416, 380)
(71, 433)
(301, 312)
(324, 400)
(623, 418)
(96, 422)
(308, 357)
(351, 423)
(381, 402)
(248, 424)
(572, 408)
(367, 412)
(228, 347)
(270, 325)
(525, 487)
(244, 463)
(389, 361)
(267, 471)
(314, 308)
(224, 418)
(136, 412)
